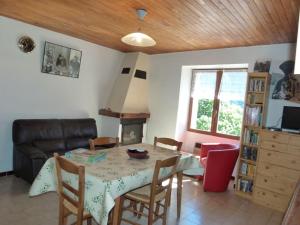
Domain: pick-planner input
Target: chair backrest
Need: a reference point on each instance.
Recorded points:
(156, 187)
(63, 164)
(168, 141)
(108, 142)
(219, 168)
(206, 147)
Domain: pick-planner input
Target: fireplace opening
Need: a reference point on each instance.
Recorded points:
(132, 131)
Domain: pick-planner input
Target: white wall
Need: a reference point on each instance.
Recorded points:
(25, 92)
(165, 79)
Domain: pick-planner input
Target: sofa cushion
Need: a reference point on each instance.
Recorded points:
(29, 130)
(75, 128)
(56, 145)
(80, 142)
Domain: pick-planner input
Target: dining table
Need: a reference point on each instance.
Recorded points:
(113, 176)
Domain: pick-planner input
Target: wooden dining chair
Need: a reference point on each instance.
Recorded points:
(71, 200)
(153, 197)
(103, 142)
(168, 141)
(173, 143)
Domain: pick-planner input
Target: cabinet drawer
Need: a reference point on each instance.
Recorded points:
(284, 148)
(295, 140)
(277, 171)
(274, 146)
(281, 159)
(274, 137)
(271, 199)
(279, 185)
(294, 150)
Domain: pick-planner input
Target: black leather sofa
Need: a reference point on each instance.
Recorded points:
(35, 140)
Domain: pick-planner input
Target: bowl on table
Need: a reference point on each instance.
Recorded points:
(137, 153)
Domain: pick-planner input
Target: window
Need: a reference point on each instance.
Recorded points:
(217, 101)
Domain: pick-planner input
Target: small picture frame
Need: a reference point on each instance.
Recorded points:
(60, 60)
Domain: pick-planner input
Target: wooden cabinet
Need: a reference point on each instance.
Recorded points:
(278, 169)
(271, 199)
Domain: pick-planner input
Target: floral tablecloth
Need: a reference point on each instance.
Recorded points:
(108, 179)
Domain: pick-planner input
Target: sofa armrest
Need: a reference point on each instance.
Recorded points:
(31, 151)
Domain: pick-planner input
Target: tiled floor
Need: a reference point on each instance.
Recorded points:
(198, 207)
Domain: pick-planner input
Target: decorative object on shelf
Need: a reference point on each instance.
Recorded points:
(60, 60)
(26, 44)
(254, 120)
(262, 66)
(285, 86)
(138, 38)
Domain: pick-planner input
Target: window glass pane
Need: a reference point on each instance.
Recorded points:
(204, 84)
(232, 94)
(204, 114)
(233, 85)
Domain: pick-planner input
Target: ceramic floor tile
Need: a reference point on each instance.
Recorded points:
(198, 207)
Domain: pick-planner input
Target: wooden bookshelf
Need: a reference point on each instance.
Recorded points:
(256, 99)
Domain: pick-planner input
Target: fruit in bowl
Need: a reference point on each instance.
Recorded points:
(137, 153)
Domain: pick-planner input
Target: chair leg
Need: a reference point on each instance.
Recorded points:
(89, 221)
(135, 208)
(157, 208)
(165, 215)
(179, 193)
(79, 220)
(141, 210)
(121, 209)
(150, 216)
(62, 215)
(165, 207)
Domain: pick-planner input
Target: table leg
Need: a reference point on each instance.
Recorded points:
(116, 211)
(179, 192)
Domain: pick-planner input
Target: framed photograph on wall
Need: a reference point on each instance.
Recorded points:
(61, 60)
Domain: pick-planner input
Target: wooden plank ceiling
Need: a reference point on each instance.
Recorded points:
(176, 25)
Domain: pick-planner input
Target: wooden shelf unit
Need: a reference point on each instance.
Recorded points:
(255, 110)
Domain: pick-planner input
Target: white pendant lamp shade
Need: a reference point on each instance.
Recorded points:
(138, 39)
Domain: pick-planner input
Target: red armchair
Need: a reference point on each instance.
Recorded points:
(218, 160)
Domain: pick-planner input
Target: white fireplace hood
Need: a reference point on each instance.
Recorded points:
(129, 94)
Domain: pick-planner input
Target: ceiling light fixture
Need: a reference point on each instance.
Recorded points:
(138, 38)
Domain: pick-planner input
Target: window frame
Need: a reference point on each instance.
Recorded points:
(216, 106)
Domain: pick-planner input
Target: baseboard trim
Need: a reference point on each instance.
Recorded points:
(4, 174)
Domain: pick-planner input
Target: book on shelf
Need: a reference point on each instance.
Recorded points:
(249, 153)
(253, 115)
(250, 170)
(251, 137)
(245, 185)
(254, 99)
(257, 85)
(243, 169)
(247, 169)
